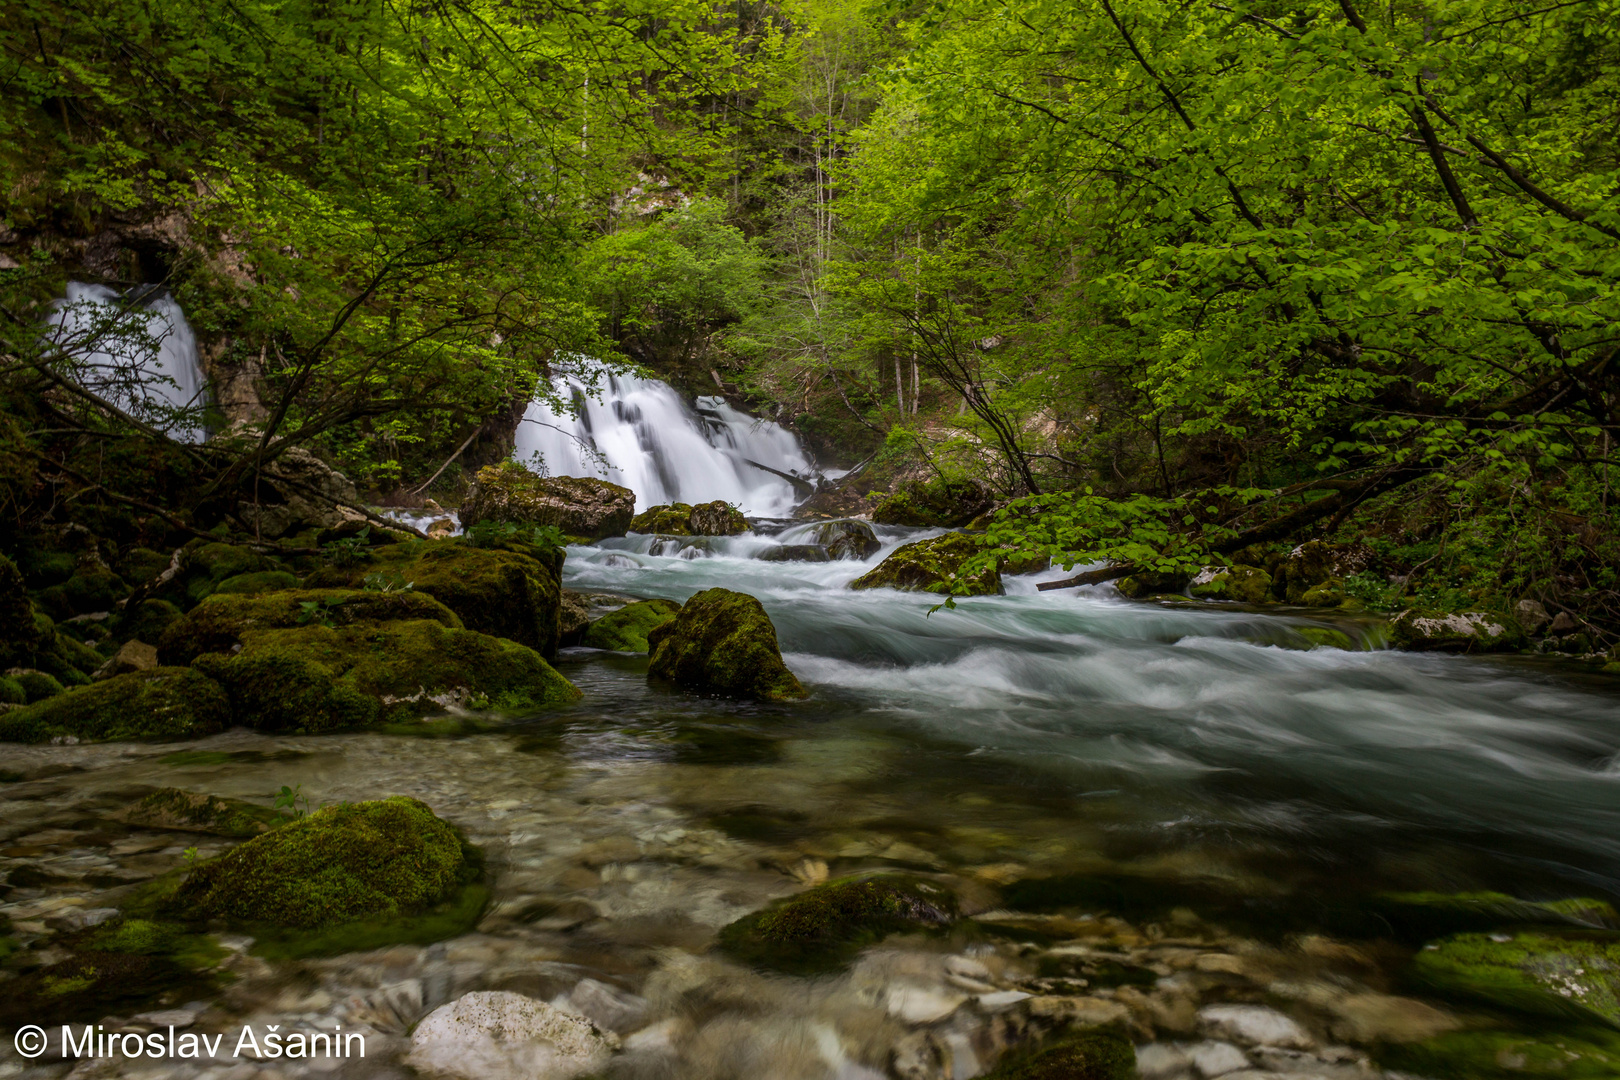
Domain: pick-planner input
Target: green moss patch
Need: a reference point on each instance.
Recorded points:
(1580, 1054)
(1422, 916)
(626, 630)
(1103, 1053)
(1570, 975)
(260, 581)
(189, 811)
(206, 565)
(933, 566)
(164, 703)
(722, 642)
(823, 928)
(218, 623)
(674, 519)
(934, 504)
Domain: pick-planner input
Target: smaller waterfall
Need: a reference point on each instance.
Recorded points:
(137, 351)
(642, 435)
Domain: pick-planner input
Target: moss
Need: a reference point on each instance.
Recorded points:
(376, 860)
(1569, 975)
(258, 581)
(674, 519)
(823, 928)
(1458, 631)
(626, 630)
(1325, 637)
(1147, 584)
(717, 518)
(208, 564)
(218, 623)
(93, 588)
(934, 504)
(933, 566)
(164, 703)
(36, 685)
(1329, 593)
(147, 620)
(142, 564)
(20, 633)
(1581, 1054)
(847, 539)
(722, 642)
(1103, 1053)
(12, 692)
(584, 508)
(1422, 916)
(319, 678)
(94, 984)
(1241, 584)
(189, 811)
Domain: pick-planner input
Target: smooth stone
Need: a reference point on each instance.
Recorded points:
(1213, 1059)
(499, 1035)
(1254, 1025)
(1001, 999)
(1158, 1061)
(922, 1005)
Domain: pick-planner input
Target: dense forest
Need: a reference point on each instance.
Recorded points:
(1167, 284)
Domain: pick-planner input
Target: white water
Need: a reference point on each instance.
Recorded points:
(138, 354)
(640, 434)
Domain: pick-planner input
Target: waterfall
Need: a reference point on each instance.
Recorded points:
(642, 435)
(137, 351)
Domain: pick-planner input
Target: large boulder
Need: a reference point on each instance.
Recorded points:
(1243, 584)
(218, 623)
(715, 518)
(626, 629)
(29, 638)
(1565, 975)
(722, 642)
(164, 703)
(934, 504)
(934, 566)
(795, 553)
(1315, 563)
(321, 678)
(513, 590)
(297, 491)
(824, 927)
(500, 1035)
(846, 539)
(583, 508)
(1456, 631)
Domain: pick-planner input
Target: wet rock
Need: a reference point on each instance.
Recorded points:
(934, 566)
(1531, 615)
(164, 703)
(584, 508)
(722, 642)
(498, 1035)
(1253, 1025)
(1380, 1018)
(322, 678)
(1325, 637)
(297, 491)
(846, 539)
(1243, 584)
(608, 1007)
(1315, 563)
(1421, 916)
(1530, 972)
(795, 553)
(716, 518)
(219, 622)
(626, 629)
(935, 503)
(1459, 631)
(1078, 1011)
(190, 811)
(1146, 583)
(573, 617)
(1099, 1054)
(1507, 1054)
(1212, 1058)
(132, 655)
(922, 1004)
(823, 928)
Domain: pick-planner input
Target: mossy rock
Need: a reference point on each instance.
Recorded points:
(90, 589)
(1456, 631)
(672, 519)
(259, 581)
(1329, 593)
(823, 928)
(1422, 916)
(1315, 563)
(1571, 975)
(206, 565)
(321, 678)
(845, 539)
(140, 564)
(717, 518)
(355, 871)
(1241, 584)
(35, 685)
(626, 630)
(1152, 585)
(190, 811)
(795, 553)
(933, 566)
(146, 621)
(164, 703)
(934, 504)
(584, 508)
(20, 635)
(512, 591)
(11, 691)
(1103, 1053)
(101, 982)
(1576, 1054)
(218, 623)
(1325, 637)
(722, 642)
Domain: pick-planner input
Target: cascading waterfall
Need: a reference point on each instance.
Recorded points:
(136, 350)
(640, 434)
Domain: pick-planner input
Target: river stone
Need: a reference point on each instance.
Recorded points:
(164, 703)
(626, 629)
(584, 508)
(724, 643)
(217, 624)
(1458, 631)
(499, 1035)
(573, 617)
(1253, 1025)
(1212, 1058)
(846, 539)
(1244, 584)
(132, 655)
(933, 566)
(795, 553)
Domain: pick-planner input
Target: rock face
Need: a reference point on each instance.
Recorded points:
(499, 1035)
(584, 508)
(935, 504)
(824, 927)
(164, 703)
(323, 678)
(722, 642)
(1463, 631)
(626, 630)
(298, 491)
(1244, 584)
(368, 860)
(933, 566)
(716, 518)
(218, 623)
(847, 539)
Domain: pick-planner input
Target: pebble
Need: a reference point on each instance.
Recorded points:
(499, 1035)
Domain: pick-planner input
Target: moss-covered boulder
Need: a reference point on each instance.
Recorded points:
(1422, 916)
(795, 553)
(1455, 631)
(190, 811)
(35, 685)
(146, 620)
(584, 508)
(1314, 563)
(165, 703)
(11, 691)
(205, 565)
(845, 539)
(717, 518)
(1572, 975)
(29, 638)
(669, 519)
(626, 629)
(824, 927)
(379, 860)
(1149, 583)
(1580, 1054)
(722, 642)
(511, 591)
(934, 504)
(218, 623)
(1326, 637)
(1103, 1053)
(322, 678)
(933, 566)
(1242, 584)
(92, 588)
(260, 581)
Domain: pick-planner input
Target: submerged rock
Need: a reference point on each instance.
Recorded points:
(164, 703)
(322, 678)
(825, 927)
(717, 518)
(936, 503)
(1458, 631)
(933, 566)
(846, 539)
(1470, 1055)
(1254, 1025)
(190, 811)
(1243, 584)
(626, 630)
(1564, 975)
(218, 623)
(722, 642)
(1426, 915)
(1100, 1054)
(499, 1035)
(795, 553)
(584, 508)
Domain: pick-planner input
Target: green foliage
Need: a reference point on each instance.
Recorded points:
(293, 800)
(348, 551)
(488, 533)
(319, 612)
(385, 582)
